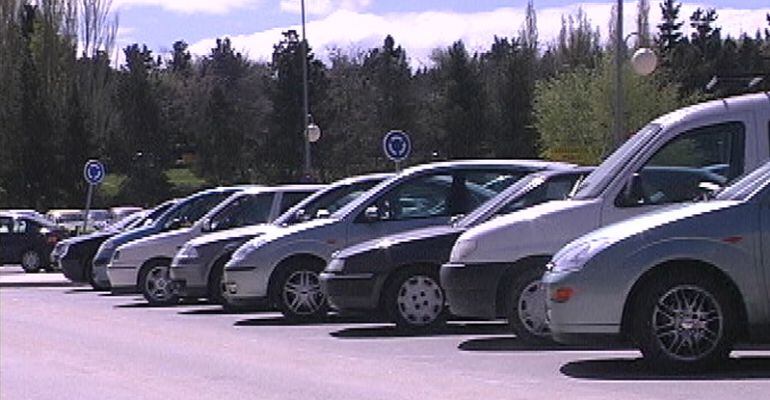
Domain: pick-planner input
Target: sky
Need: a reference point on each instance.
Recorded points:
(355, 25)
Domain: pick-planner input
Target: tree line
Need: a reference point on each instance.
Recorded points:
(230, 119)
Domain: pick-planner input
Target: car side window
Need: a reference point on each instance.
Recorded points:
(6, 225)
(422, 197)
(689, 166)
(20, 226)
(243, 211)
(289, 199)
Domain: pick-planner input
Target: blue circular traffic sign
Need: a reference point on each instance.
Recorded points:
(397, 145)
(94, 172)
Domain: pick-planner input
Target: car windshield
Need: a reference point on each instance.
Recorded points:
(595, 183)
(242, 210)
(125, 222)
(324, 204)
(532, 190)
(747, 186)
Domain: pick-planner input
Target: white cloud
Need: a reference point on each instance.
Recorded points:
(323, 7)
(190, 6)
(421, 32)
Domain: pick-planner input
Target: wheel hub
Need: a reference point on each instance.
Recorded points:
(302, 293)
(420, 300)
(531, 309)
(687, 322)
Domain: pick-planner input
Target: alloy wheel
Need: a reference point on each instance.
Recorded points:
(302, 293)
(687, 322)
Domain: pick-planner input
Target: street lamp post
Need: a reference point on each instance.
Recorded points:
(620, 44)
(305, 102)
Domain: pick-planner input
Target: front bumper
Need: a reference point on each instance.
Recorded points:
(245, 283)
(189, 279)
(123, 275)
(590, 317)
(99, 269)
(471, 290)
(352, 292)
(73, 269)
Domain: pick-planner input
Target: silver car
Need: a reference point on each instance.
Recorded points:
(282, 267)
(683, 283)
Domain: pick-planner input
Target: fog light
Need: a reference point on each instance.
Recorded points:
(562, 294)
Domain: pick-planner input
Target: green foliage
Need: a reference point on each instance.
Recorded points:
(168, 125)
(574, 117)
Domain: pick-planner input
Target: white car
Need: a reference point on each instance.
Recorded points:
(283, 267)
(145, 262)
(495, 268)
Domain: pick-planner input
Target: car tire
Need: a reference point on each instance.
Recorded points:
(415, 300)
(674, 338)
(215, 289)
(297, 291)
(31, 261)
(155, 285)
(526, 306)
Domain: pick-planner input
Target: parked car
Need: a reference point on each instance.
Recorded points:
(282, 267)
(196, 270)
(183, 213)
(683, 284)
(495, 268)
(27, 240)
(397, 275)
(24, 211)
(75, 255)
(68, 219)
(145, 262)
(118, 213)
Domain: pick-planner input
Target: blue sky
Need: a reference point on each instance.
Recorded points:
(419, 25)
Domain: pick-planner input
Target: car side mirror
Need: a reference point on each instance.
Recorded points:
(206, 225)
(175, 223)
(371, 214)
(633, 192)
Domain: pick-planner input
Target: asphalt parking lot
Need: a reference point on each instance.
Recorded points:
(69, 342)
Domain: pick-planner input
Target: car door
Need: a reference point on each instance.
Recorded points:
(688, 166)
(764, 247)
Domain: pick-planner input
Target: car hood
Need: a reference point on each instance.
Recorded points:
(99, 235)
(401, 238)
(539, 230)
(665, 218)
(233, 234)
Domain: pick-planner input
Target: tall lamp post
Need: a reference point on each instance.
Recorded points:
(311, 131)
(643, 62)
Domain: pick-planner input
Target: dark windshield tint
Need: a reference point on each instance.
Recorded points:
(193, 209)
(326, 203)
(748, 185)
(244, 210)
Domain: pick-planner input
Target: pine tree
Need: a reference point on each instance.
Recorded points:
(670, 28)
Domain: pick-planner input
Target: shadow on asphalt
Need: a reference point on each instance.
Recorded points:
(635, 369)
(512, 343)
(37, 284)
(390, 331)
(279, 320)
(83, 290)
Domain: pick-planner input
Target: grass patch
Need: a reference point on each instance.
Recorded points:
(183, 177)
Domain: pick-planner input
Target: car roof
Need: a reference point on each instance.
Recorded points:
(530, 164)
(746, 102)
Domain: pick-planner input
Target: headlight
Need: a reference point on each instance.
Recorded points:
(462, 249)
(574, 256)
(241, 252)
(187, 252)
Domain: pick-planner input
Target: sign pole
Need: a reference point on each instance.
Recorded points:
(94, 173)
(88, 206)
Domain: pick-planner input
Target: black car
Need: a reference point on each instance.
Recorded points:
(27, 240)
(74, 256)
(398, 275)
